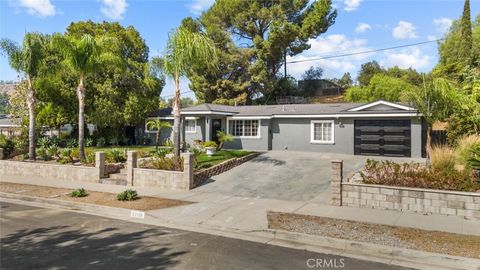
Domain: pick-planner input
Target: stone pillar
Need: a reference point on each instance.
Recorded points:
(100, 164)
(336, 182)
(2, 155)
(188, 164)
(131, 164)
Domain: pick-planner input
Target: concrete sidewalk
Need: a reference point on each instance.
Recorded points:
(249, 214)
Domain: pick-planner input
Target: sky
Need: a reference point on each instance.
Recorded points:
(361, 25)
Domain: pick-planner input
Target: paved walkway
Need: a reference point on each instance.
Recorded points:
(238, 213)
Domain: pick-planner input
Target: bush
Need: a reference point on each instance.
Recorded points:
(71, 143)
(168, 143)
(7, 144)
(442, 158)
(127, 195)
(474, 158)
(464, 148)
(89, 142)
(66, 156)
(101, 142)
(89, 157)
(416, 175)
(52, 150)
(42, 154)
(115, 156)
(113, 141)
(78, 193)
(44, 142)
(164, 163)
(210, 144)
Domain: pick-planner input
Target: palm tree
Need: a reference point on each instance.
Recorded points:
(27, 59)
(82, 55)
(185, 50)
(158, 125)
(435, 100)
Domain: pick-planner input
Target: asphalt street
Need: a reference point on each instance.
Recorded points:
(38, 238)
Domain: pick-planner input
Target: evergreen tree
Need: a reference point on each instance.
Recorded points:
(466, 40)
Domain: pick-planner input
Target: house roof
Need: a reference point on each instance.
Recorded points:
(298, 109)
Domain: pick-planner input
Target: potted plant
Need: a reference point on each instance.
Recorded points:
(210, 147)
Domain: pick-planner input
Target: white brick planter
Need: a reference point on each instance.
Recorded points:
(419, 200)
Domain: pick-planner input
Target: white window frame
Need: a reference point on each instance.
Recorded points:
(194, 122)
(312, 132)
(258, 136)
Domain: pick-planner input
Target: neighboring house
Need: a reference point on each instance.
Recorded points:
(10, 126)
(377, 128)
(320, 87)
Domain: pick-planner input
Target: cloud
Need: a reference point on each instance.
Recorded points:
(198, 6)
(114, 9)
(443, 24)
(362, 27)
(412, 57)
(328, 46)
(350, 5)
(404, 30)
(41, 8)
(431, 38)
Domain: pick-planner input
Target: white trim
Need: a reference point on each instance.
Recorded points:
(191, 118)
(206, 112)
(382, 102)
(347, 115)
(249, 117)
(312, 131)
(195, 125)
(259, 136)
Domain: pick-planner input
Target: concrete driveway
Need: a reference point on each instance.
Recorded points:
(294, 176)
(284, 175)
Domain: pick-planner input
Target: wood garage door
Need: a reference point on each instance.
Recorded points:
(383, 138)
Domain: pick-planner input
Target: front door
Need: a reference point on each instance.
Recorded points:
(216, 126)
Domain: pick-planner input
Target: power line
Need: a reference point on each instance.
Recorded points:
(184, 92)
(363, 52)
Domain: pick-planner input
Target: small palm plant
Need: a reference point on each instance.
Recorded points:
(157, 125)
(223, 138)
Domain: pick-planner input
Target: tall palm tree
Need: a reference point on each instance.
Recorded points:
(185, 50)
(158, 125)
(82, 55)
(28, 59)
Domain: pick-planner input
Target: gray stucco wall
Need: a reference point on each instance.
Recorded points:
(294, 134)
(260, 144)
(199, 134)
(416, 125)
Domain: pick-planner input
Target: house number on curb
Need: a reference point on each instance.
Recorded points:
(137, 214)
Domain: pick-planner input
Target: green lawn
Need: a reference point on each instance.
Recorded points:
(204, 161)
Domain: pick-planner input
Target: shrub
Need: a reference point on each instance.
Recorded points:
(78, 193)
(474, 159)
(44, 142)
(113, 141)
(164, 163)
(66, 156)
(115, 156)
(42, 154)
(124, 141)
(127, 195)
(7, 144)
(416, 175)
(89, 142)
(101, 142)
(464, 147)
(223, 138)
(52, 150)
(210, 144)
(442, 158)
(168, 143)
(145, 140)
(89, 157)
(71, 143)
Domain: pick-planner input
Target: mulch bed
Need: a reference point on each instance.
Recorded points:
(431, 241)
(94, 197)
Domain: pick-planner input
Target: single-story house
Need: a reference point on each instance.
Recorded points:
(376, 128)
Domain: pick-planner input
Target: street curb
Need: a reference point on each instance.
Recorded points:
(333, 246)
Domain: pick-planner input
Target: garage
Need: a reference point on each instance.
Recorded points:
(383, 138)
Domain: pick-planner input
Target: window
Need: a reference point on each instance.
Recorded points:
(243, 128)
(322, 131)
(190, 125)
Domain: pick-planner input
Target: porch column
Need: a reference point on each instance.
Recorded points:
(208, 128)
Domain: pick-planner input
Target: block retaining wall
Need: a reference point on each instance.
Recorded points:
(418, 200)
